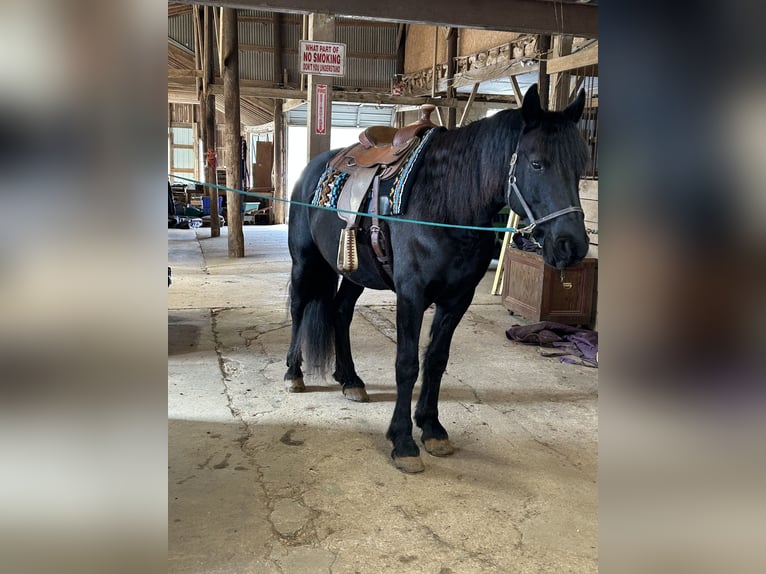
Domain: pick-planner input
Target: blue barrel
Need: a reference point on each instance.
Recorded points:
(206, 204)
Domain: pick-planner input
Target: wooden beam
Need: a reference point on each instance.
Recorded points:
(439, 116)
(208, 50)
(175, 9)
(543, 81)
(178, 56)
(579, 81)
(495, 72)
(468, 104)
(526, 16)
(218, 24)
(247, 89)
(288, 105)
(232, 132)
(278, 47)
(451, 54)
(497, 284)
(562, 46)
(207, 106)
(516, 90)
(576, 61)
(401, 42)
(320, 92)
(435, 62)
(179, 73)
(210, 166)
(304, 36)
(198, 46)
(278, 207)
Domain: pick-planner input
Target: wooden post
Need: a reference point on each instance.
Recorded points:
(451, 55)
(231, 109)
(277, 24)
(436, 57)
(304, 36)
(279, 163)
(562, 46)
(319, 91)
(468, 104)
(208, 55)
(516, 91)
(543, 82)
(210, 166)
(401, 39)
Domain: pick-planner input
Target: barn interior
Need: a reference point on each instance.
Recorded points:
(261, 480)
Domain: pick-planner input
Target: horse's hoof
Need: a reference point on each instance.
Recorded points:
(438, 446)
(295, 385)
(356, 394)
(409, 464)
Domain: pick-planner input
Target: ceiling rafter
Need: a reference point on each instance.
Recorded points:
(527, 16)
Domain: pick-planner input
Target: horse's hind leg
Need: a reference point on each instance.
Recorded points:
(294, 375)
(313, 284)
(447, 316)
(345, 373)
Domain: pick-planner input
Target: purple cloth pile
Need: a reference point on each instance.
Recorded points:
(570, 344)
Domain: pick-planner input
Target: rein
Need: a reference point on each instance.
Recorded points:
(512, 185)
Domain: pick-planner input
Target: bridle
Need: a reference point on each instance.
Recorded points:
(531, 218)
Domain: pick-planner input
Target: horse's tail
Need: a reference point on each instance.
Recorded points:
(317, 328)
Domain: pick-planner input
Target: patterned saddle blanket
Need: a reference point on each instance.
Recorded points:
(396, 178)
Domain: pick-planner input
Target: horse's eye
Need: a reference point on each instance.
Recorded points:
(536, 165)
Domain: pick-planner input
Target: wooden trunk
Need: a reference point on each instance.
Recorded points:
(536, 291)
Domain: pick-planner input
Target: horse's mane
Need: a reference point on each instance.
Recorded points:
(465, 170)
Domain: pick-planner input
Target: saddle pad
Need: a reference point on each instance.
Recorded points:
(405, 178)
(329, 187)
(331, 182)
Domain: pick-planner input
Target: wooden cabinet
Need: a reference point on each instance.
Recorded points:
(538, 292)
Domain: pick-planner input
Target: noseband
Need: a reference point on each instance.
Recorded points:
(531, 218)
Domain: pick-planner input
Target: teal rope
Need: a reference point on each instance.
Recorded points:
(359, 213)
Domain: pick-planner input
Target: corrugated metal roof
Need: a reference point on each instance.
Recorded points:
(290, 61)
(181, 29)
(256, 13)
(258, 33)
(256, 65)
(368, 73)
(367, 39)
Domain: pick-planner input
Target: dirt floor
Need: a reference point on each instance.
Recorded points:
(264, 481)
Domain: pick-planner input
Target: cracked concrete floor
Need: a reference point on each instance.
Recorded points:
(263, 481)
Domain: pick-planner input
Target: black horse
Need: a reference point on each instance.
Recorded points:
(530, 159)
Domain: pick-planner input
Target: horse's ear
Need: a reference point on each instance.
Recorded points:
(530, 107)
(574, 110)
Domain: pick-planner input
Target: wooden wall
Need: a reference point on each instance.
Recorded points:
(419, 52)
(181, 114)
(589, 202)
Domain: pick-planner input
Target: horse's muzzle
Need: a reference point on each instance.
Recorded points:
(566, 251)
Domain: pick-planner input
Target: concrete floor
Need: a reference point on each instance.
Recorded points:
(264, 481)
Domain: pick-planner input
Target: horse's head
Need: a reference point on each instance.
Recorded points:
(544, 182)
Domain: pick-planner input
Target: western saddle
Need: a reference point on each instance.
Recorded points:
(379, 155)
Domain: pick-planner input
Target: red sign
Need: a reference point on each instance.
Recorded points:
(320, 105)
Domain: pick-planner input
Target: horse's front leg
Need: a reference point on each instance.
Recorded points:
(448, 315)
(345, 372)
(409, 319)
